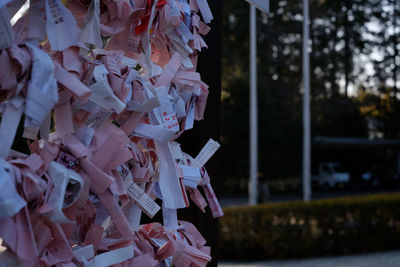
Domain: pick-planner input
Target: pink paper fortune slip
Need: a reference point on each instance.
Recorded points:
(100, 126)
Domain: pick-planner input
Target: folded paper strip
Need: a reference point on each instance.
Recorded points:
(102, 90)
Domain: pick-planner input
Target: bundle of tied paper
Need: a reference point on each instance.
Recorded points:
(102, 89)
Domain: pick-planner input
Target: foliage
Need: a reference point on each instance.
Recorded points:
(317, 228)
(383, 112)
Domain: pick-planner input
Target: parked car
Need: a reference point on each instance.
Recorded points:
(370, 179)
(331, 175)
(379, 176)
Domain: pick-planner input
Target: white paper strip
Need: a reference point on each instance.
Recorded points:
(103, 96)
(61, 27)
(143, 200)
(91, 26)
(191, 175)
(206, 153)
(173, 194)
(158, 132)
(6, 32)
(205, 10)
(170, 218)
(146, 106)
(10, 201)
(9, 124)
(42, 89)
(61, 176)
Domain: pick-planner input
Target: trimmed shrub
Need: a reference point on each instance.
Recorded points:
(317, 228)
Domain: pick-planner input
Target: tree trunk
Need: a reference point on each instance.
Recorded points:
(395, 50)
(347, 51)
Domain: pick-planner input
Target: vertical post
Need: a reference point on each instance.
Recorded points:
(306, 107)
(253, 109)
(398, 163)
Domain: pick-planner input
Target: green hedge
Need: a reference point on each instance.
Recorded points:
(317, 228)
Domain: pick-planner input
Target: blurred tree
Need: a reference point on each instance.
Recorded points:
(380, 98)
(385, 35)
(382, 113)
(354, 57)
(338, 37)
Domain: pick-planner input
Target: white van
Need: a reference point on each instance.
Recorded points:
(331, 175)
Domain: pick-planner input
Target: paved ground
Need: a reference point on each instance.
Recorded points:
(384, 259)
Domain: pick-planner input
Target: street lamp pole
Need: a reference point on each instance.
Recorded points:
(306, 106)
(253, 110)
